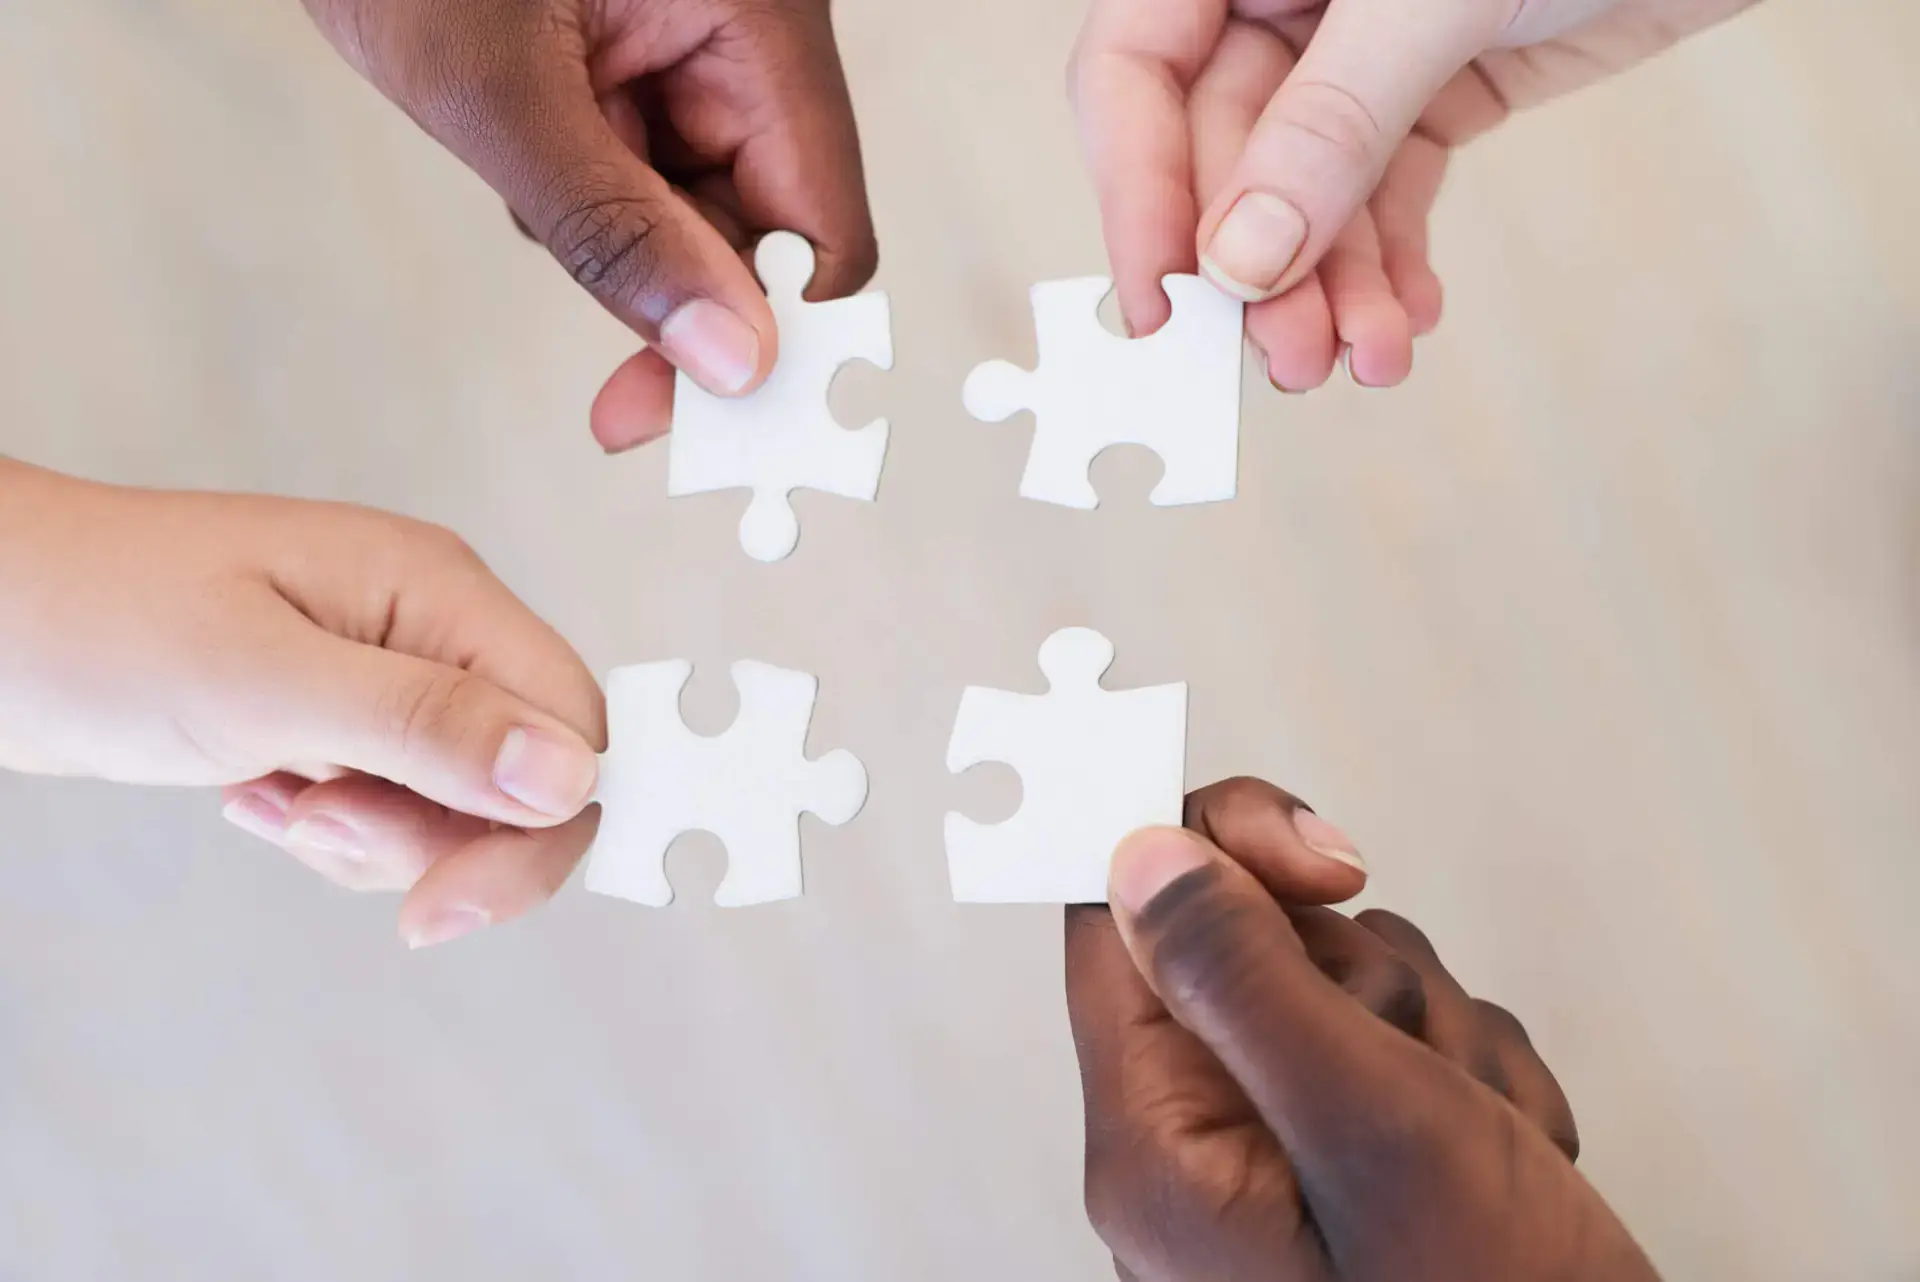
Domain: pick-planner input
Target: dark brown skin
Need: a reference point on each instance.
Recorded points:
(1277, 1093)
(644, 142)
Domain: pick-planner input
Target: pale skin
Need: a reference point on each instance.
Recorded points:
(369, 697)
(646, 142)
(1326, 125)
(366, 694)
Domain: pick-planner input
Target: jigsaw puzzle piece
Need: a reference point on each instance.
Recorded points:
(862, 331)
(1195, 429)
(639, 820)
(747, 786)
(1094, 765)
(997, 390)
(762, 829)
(783, 437)
(1175, 391)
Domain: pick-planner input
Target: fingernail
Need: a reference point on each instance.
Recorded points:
(448, 924)
(1254, 245)
(328, 837)
(1346, 359)
(1323, 838)
(257, 814)
(1146, 862)
(544, 773)
(716, 348)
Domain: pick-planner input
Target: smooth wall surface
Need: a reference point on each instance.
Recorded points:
(1599, 636)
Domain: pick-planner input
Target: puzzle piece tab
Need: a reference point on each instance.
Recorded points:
(1176, 391)
(1094, 765)
(747, 786)
(782, 437)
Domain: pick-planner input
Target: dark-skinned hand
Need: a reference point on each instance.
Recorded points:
(1278, 1093)
(645, 143)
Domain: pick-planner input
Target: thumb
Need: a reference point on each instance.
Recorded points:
(443, 732)
(1328, 1078)
(537, 135)
(1318, 149)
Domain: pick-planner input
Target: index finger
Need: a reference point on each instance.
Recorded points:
(1298, 856)
(419, 590)
(1128, 79)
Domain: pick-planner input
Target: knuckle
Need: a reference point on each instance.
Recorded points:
(1501, 1022)
(1565, 1137)
(606, 239)
(431, 711)
(1235, 1176)
(1216, 806)
(408, 554)
(1399, 934)
(1395, 993)
(442, 544)
(1380, 921)
(382, 868)
(1335, 118)
(1235, 791)
(1492, 1038)
(1094, 64)
(1487, 1068)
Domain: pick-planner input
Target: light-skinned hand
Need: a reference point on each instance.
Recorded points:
(645, 143)
(368, 694)
(1292, 149)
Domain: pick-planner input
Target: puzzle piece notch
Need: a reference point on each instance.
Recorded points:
(748, 785)
(1094, 765)
(1175, 391)
(783, 436)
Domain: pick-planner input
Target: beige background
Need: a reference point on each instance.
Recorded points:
(1599, 636)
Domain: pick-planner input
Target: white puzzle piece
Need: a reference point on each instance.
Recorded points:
(1176, 391)
(782, 437)
(1094, 765)
(747, 786)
